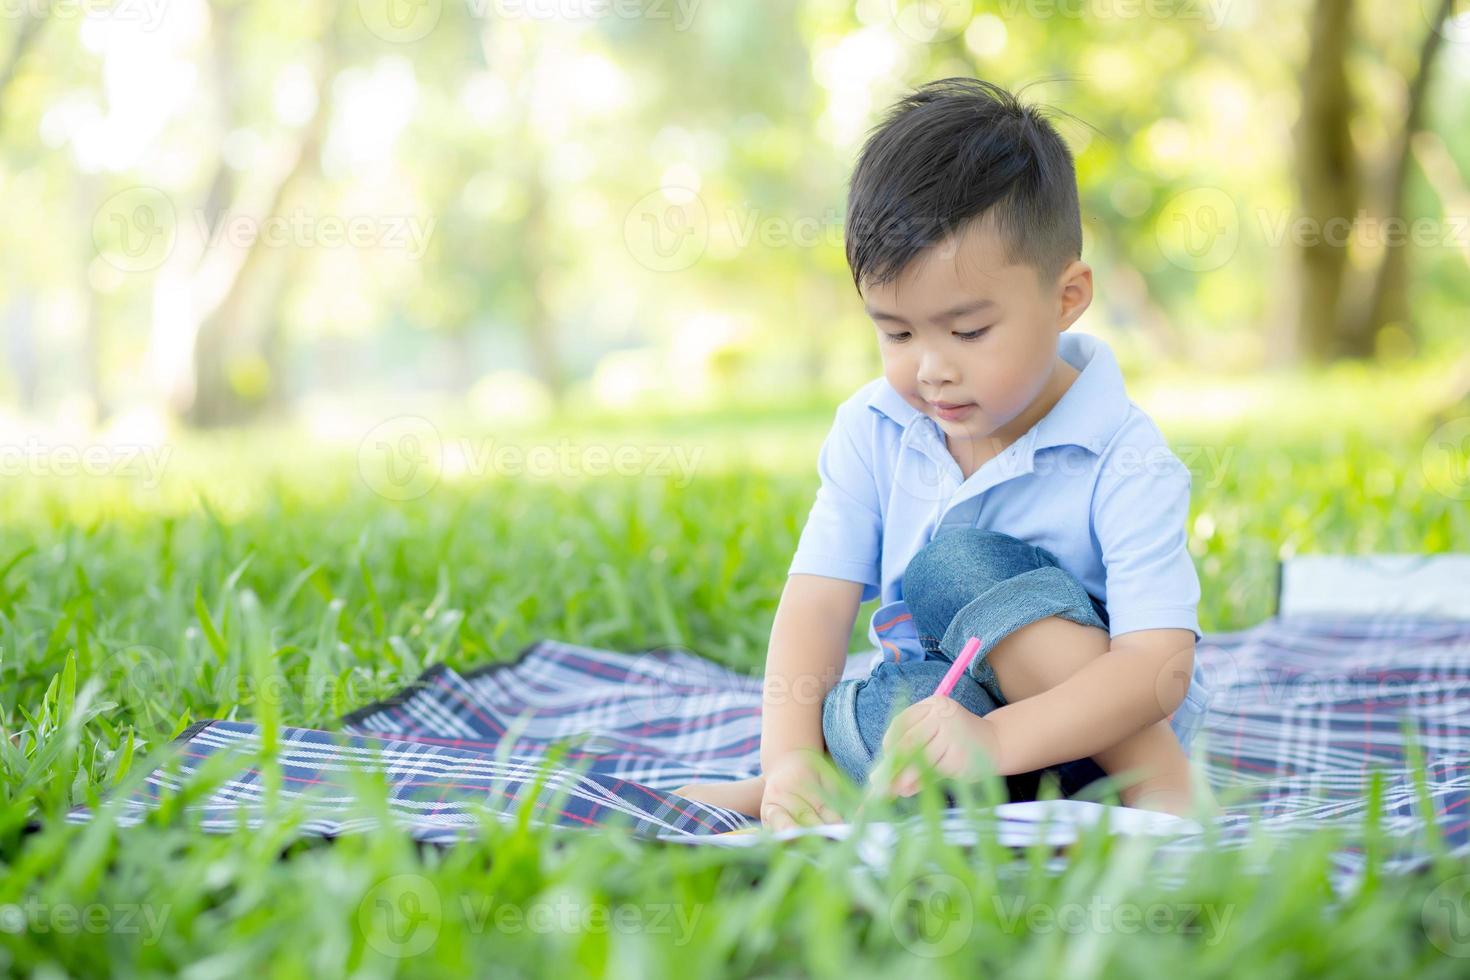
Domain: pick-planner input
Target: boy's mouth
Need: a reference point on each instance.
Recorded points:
(952, 411)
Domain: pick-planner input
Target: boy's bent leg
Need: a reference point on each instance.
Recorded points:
(1162, 774)
(967, 582)
(1040, 628)
(1040, 656)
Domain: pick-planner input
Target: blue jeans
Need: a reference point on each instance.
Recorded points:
(965, 582)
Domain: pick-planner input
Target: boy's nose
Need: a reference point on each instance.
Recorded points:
(935, 371)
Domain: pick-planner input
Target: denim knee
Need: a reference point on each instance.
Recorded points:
(971, 582)
(940, 579)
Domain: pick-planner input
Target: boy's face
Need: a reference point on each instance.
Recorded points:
(1003, 375)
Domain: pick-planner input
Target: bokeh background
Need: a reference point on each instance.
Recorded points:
(219, 211)
(339, 341)
(428, 241)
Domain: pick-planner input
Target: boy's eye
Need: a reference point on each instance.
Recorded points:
(899, 338)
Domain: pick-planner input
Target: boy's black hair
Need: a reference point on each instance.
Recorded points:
(951, 152)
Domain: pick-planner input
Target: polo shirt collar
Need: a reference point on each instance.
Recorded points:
(1088, 414)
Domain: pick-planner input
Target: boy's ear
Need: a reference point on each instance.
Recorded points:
(1074, 293)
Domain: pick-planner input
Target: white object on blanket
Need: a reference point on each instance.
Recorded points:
(1407, 584)
(1053, 822)
(1025, 820)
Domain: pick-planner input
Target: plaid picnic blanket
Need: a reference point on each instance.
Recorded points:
(1305, 708)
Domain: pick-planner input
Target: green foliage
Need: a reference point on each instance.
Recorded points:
(264, 581)
(508, 167)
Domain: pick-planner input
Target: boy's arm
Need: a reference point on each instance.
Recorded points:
(836, 566)
(805, 660)
(1131, 686)
(1139, 513)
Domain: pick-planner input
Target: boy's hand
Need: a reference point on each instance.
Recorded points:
(798, 788)
(955, 740)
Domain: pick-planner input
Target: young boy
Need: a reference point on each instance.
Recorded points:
(995, 482)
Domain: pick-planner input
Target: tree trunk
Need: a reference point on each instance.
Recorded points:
(20, 348)
(540, 326)
(517, 64)
(1327, 175)
(30, 28)
(226, 329)
(1388, 296)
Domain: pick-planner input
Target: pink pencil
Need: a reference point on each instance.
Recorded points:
(972, 647)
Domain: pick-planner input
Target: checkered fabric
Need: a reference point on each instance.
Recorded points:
(1305, 708)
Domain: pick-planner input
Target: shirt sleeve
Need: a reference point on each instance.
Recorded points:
(843, 536)
(1140, 517)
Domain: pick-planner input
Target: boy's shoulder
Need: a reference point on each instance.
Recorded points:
(1137, 429)
(1140, 455)
(1133, 430)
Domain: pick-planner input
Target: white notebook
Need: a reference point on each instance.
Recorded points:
(1054, 822)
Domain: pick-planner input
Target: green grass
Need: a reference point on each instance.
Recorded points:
(264, 580)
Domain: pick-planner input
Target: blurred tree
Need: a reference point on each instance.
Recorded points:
(534, 145)
(1342, 316)
(233, 330)
(520, 61)
(1388, 302)
(1327, 175)
(19, 310)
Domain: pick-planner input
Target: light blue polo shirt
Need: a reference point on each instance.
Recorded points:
(1094, 482)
